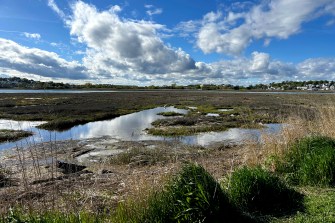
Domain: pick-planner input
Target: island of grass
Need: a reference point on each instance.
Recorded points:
(13, 135)
(170, 114)
(199, 122)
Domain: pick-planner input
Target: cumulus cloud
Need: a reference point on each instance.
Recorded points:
(319, 68)
(232, 33)
(129, 51)
(32, 35)
(117, 46)
(259, 68)
(37, 62)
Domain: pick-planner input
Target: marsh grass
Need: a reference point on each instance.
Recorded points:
(62, 124)
(19, 216)
(13, 135)
(170, 114)
(310, 161)
(260, 192)
(143, 156)
(185, 130)
(192, 195)
(184, 121)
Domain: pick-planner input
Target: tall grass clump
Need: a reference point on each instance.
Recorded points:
(310, 161)
(260, 192)
(192, 195)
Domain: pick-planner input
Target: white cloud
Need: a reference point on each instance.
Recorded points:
(319, 68)
(55, 8)
(129, 51)
(260, 62)
(154, 12)
(188, 28)
(271, 19)
(259, 68)
(32, 35)
(34, 61)
(116, 47)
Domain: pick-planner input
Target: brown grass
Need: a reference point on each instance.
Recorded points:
(322, 123)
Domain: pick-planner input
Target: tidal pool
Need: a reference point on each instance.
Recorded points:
(129, 127)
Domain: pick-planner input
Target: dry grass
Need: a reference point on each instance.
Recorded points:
(322, 124)
(98, 192)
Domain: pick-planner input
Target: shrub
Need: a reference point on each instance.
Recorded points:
(259, 192)
(191, 196)
(310, 161)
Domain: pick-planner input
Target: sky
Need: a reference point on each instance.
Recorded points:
(159, 42)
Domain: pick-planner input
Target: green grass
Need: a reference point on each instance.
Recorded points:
(18, 216)
(319, 207)
(259, 192)
(192, 195)
(13, 135)
(310, 161)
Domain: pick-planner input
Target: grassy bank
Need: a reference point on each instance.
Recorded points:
(13, 135)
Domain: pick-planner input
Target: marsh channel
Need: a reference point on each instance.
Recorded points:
(129, 127)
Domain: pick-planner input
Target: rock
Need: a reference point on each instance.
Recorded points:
(69, 167)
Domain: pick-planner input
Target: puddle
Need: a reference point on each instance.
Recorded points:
(127, 128)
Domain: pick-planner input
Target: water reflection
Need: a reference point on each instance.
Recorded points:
(127, 127)
(18, 125)
(235, 135)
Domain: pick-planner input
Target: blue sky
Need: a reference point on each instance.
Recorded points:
(163, 42)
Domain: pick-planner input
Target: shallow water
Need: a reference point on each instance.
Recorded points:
(127, 127)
